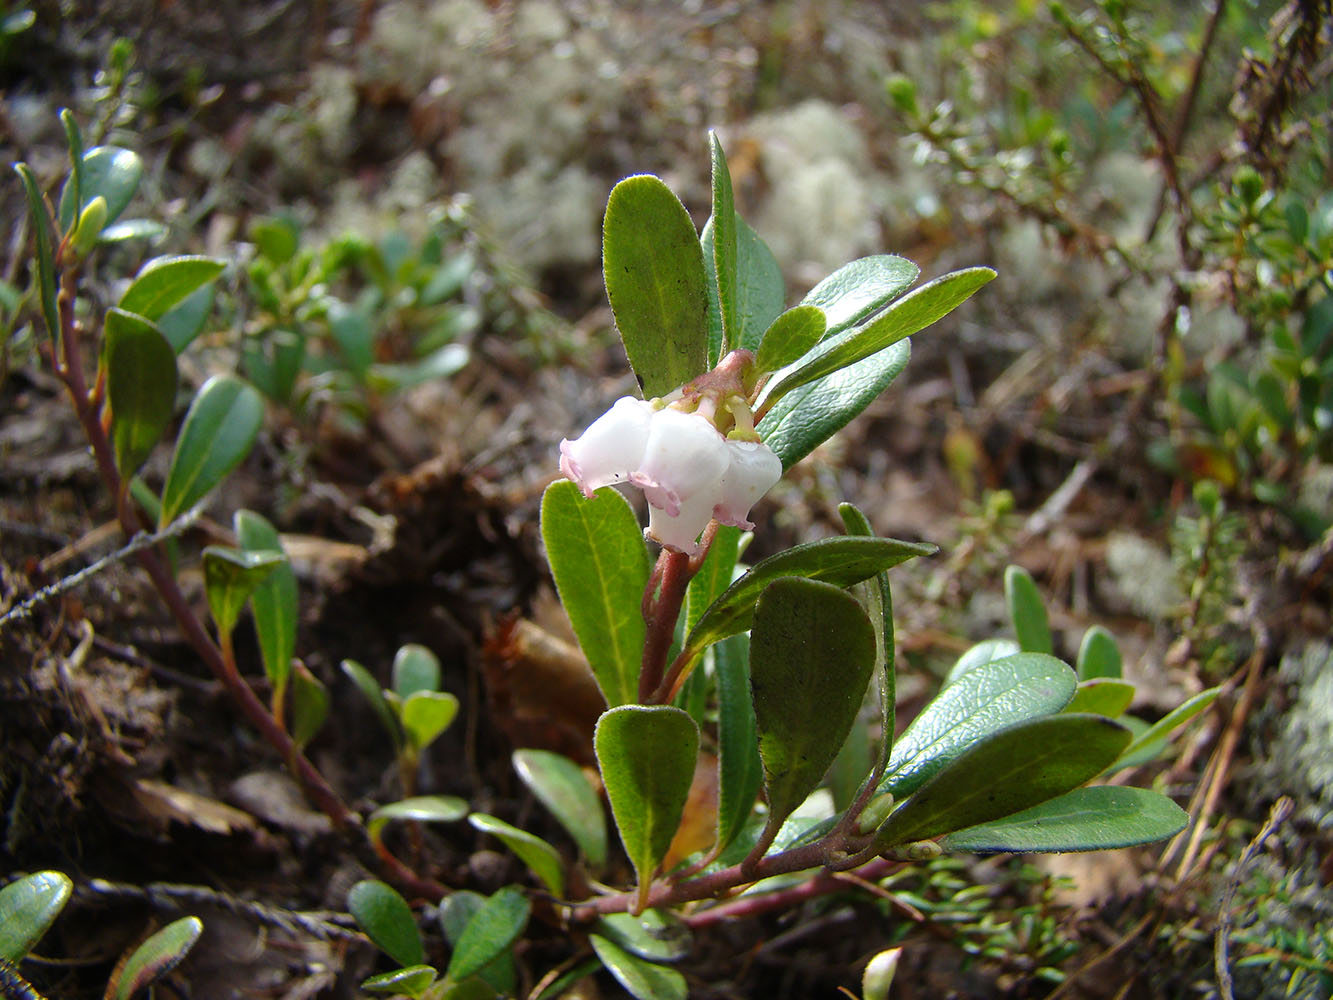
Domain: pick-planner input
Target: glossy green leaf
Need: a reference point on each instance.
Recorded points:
(740, 772)
(387, 920)
(1087, 819)
(44, 257)
(165, 282)
(724, 249)
(415, 668)
(543, 859)
(655, 935)
(988, 698)
(108, 171)
(642, 979)
(1098, 655)
(133, 229)
(274, 601)
(561, 787)
(806, 417)
(409, 982)
(155, 957)
(1027, 611)
(654, 270)
(230, 577)
(791, 335)
(1173, 720)
(219, 430)
(370, 690)
(914, 311)
(425, 715)
(1102, 696)
(601, 566)
(841, 561)
(88, 230)
(419, 809)
(877, 598)
(491, 932)
(647, 756)
(1006, 772)
(982, 652)
(184, 321)
(140, 386)
(812, 652)
(28, 906)
(310, 704)
(499, 977)
(74, 140)
(856, 291)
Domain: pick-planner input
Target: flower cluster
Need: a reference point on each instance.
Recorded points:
(688, 470)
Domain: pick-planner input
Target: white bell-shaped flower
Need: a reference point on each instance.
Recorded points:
(753, 471)
(612, 447)
(680, 531)
(684, 455)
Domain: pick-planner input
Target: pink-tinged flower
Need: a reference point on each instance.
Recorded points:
(684, 455)
(610, 450)
(753, 471)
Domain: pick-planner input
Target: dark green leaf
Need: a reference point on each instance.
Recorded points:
(725, 252)
(419, 809)
(1102, 696)
(410, 982)
(856, 291)
(647, 757)
(425, 715)
(183, 322)
(642, 979)
(983, 700)
(274, 601)
(74, 140)
(654, 270)
(791, 335)
(1006, 772)
(165, 282)
(230, 577)
(28, 906)
(760, 292)
(140, 386)
(108, 171)
(560, 785)
(219, 429)
(715, 575)
(655, 935)
(537, 854)
(45, 255)
(1086, 819)
(1027, 611)
(374, 694)
(387, 920)
(600, 565)
(155, 957)
(415, 668)
(812, 652)
(491, 932)
(310, 704)
(740, 772)
(1098, 655)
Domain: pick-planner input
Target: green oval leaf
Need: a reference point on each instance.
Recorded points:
(501, 976)
(841, 561)
(273, 601)
(983, 700)
(791, 335)
(490, 933)
(654, 271)
(856, 291)
(425, 715)
(1173, 720)
(1027, 611)
(28, 906)
(387, 920)
(1098, 655)
(108, 171)
(760, 293)
(642, 979)
(1007, 772)
(419, 808)
(230, 577)
(415, 668)
(740, 772)
(370, 690)
(166, 282)
(1102, 696)
(310, 705)
(156, 957)
(1087, 819)
(724, 249)
(140, 386)
(543, 859)
(981, 652)
(411, 981)
(812, 651)
(647, 756)
(601, 566)
(45, 259)
(183, 322)
(560, 785)
(219, 429)
(655, 935)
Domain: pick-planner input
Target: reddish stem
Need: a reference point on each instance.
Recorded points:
(672, 574)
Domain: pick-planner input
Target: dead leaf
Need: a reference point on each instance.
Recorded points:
(167, 803)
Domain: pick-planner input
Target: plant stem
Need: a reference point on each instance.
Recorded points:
(672, 576)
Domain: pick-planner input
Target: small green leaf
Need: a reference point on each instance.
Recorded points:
(856, 291)
(219, 429)
(501, 977)
(1027, 611)
(425, 715)
(155, 957)
(1006, 772)
(812, 652)
(370, 690)
(654, 271)
(28, 906)
(88, 230)
(981, 652)
(74, 140)
(841, 561)
(655, 935)
(791, 335)
(230, 577)
(353, 330)
(1173, 720)
(760, 291)
(1098, 655)
(1102, 696)
(44, 256)
(601, 566)
(275, 237)
(140, 386)
(310, 704)
(643, 980)
(543, 859)
(411, 981)
(725, 253)
(387, 920)
(420, 809)
(165, 282)
(274, 601)
(415, 668)
(108, 171)
(560, 785)
(490, 933)
(647, 757)
(184, 321)
(1087, 819)
(273, 362)
(983, 700)
(740, 772)
(133, 229)
(877, 979)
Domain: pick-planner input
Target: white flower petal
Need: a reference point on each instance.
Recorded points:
(684, 454)
(681, 530)
(612, 447)
(752, 472)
